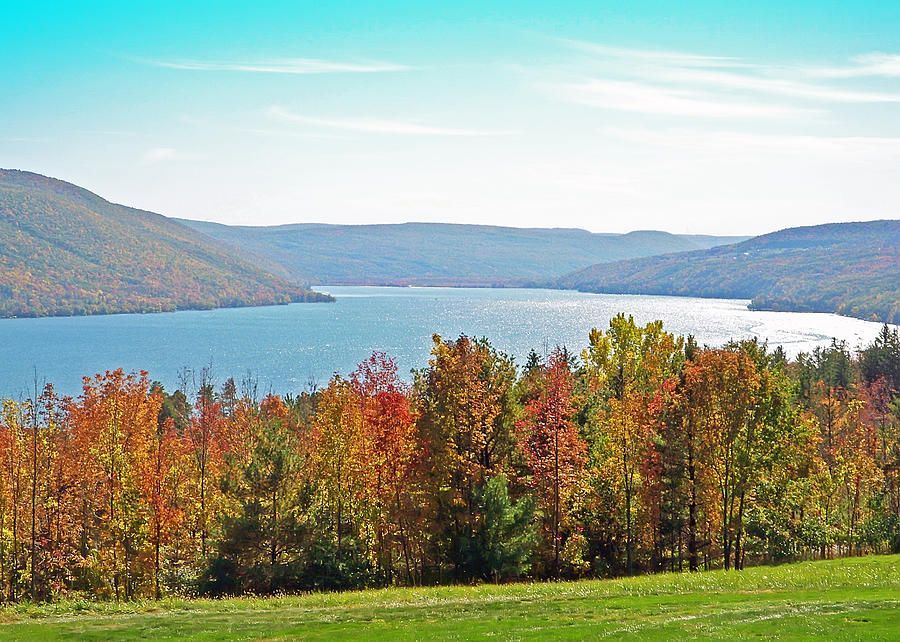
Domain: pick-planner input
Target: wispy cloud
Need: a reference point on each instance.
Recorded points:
(647, 98)
(679, 58)
(866, 65)
(707, 86)
(280, 66)
(377, 125)
(768, 85)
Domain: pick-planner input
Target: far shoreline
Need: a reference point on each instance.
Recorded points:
(545, 286)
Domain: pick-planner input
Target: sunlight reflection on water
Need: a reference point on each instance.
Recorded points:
(286, 346)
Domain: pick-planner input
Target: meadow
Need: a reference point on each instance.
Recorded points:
(845, 599)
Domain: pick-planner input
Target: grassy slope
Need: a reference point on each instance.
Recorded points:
(854, 599)
(848, 268)
(64, 250)
(441, 254)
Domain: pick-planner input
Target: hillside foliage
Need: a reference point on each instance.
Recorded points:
(66, 251)
(846, 268)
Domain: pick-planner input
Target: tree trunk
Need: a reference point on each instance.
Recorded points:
(203, 506)
(273, 549)
(556, 510)
(339, 529)
(629, 554)
(738, 538)
(692, 509)
(34, 435)
(156, 591)
(404, 540)
(629, 550)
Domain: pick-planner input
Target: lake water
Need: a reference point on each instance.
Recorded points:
(285, 347)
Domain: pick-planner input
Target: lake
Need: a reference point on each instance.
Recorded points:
(285, 347)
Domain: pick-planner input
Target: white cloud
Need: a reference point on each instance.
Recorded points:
(376, 125)
(734, 81)
(282, 66)
(657, 56)
(698, 85)
(646, 98)
(872, 64)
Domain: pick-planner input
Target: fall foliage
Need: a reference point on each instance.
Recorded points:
(648, 453)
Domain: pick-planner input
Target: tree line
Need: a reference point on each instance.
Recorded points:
(644, 453)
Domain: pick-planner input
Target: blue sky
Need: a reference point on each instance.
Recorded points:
(701, 117)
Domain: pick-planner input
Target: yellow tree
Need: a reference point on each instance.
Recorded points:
(626, 368)
(467, 422)
(746, 425)
(338, 457)
(858, 475)
(13, 448)
(114, 423)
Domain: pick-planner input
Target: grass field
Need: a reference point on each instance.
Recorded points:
(853, 599)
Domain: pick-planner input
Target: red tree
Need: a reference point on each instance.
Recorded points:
(553, 449)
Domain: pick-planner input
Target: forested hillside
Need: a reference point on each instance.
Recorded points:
(848, 268)
(441, 254)
(66, 251)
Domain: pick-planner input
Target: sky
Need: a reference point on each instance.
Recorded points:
(691, 117)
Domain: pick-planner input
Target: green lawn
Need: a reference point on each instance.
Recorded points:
(854, 599)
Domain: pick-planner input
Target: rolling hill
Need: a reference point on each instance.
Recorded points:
(440, 254)
(66, 251)
(847, 268)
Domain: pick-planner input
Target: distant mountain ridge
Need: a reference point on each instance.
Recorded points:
(846, 268)
(67, 251)
(440, 253)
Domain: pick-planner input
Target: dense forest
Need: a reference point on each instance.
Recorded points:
(439, 253)
(847, 268)
(66, 251)
(645, 453)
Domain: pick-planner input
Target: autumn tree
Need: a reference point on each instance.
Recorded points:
(723, 386)
(13, 440)
(43, 419)
(626, 367)
(554, 451)
(261, 541)
(392, 449)
(467, 419)
(650, 450)
(165, 475)
(114, 422)
(205, 432)
(338, 459)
